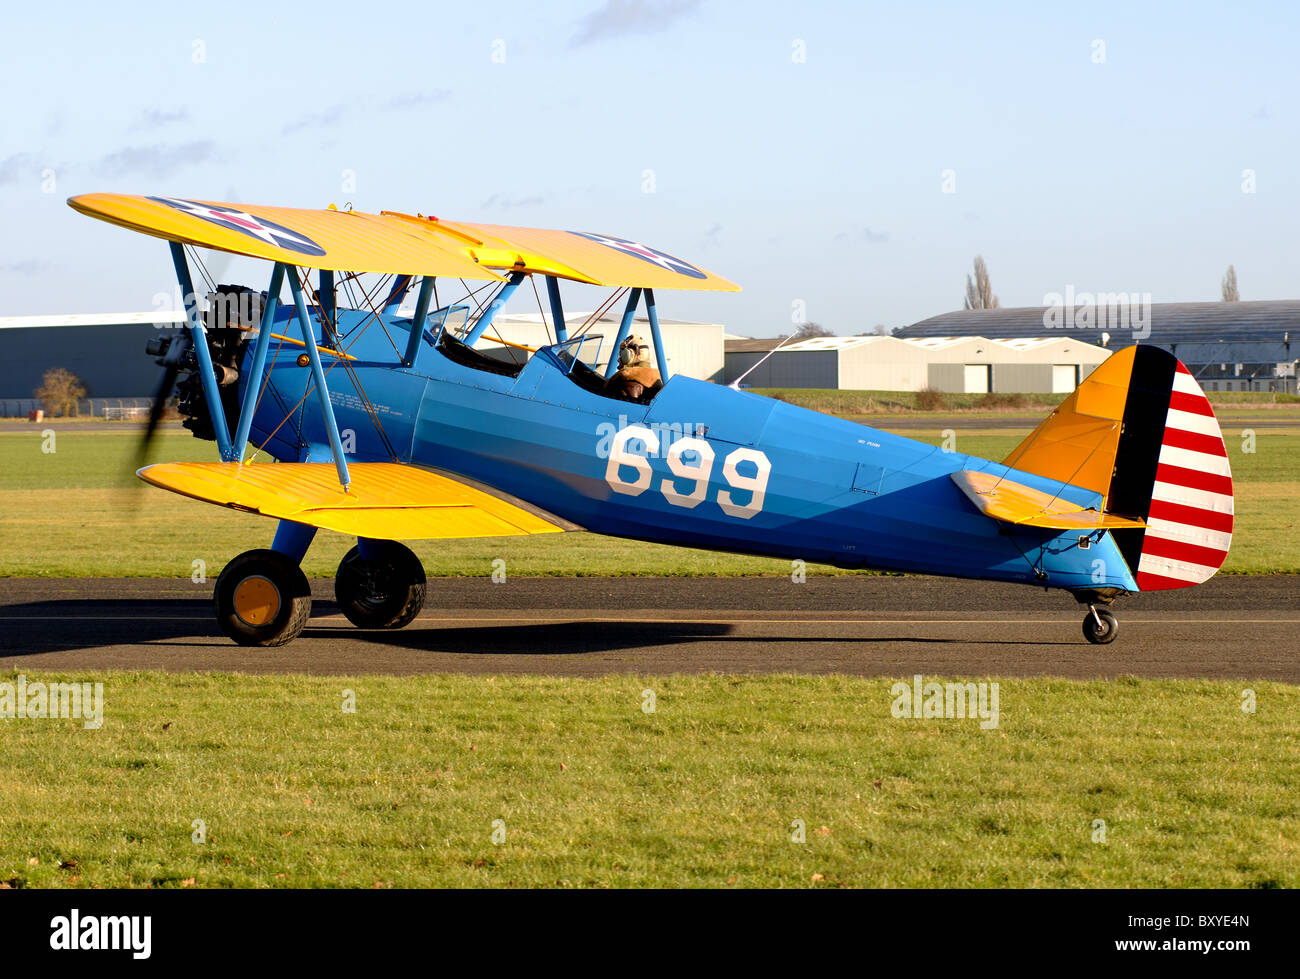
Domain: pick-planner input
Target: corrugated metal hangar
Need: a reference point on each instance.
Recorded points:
(952, 364)
(104, 350)
(1236, 346)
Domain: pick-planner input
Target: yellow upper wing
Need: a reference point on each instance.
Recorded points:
(600, 259)
(392, 242)
(352, 241)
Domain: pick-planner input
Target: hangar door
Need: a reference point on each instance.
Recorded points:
(1065, 378)
(979, 379)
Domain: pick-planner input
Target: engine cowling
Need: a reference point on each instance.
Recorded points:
(230, 315)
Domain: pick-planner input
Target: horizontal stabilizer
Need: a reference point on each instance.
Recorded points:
(1015, 503)
(385, 500)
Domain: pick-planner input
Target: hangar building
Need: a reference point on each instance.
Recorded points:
(1237, 346)
(953, 364)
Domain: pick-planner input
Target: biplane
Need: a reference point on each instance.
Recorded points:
(387, 413)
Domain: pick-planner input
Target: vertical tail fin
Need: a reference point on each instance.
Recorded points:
(1140, 431)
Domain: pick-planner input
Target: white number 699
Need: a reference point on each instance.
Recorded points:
(697, 468)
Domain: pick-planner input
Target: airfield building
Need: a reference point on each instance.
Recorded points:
(952, 364)
(1237, 346)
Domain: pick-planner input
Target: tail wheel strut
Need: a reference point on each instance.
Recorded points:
(1100, 625)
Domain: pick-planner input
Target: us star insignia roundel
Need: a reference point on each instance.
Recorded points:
(644, 252)
(235, 220)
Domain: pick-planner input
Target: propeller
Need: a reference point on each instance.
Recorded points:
(173, 362)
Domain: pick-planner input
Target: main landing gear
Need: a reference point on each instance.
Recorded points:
(262, 597)
(383, 590)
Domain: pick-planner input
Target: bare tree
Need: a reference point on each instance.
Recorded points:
(979, 293)
(809, 330)
(60, 391)
(1229, 286)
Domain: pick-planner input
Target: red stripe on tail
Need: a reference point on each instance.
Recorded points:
(1180, 551)
(1196, 404)
(1191, 516)
(1192, 479)
(1147, 581)
(1195, 441)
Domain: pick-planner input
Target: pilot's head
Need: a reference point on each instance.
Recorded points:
(633, 351)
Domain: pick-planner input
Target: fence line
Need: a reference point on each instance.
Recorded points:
(113, 409)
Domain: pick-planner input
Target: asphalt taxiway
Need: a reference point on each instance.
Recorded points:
(1233, 626)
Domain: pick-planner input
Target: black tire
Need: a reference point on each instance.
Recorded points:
(262, 599)
(1106, 633)
(386, 592)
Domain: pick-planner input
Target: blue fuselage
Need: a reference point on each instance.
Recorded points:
(701, 466)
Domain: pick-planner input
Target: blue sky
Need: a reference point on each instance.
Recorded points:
(817, 181)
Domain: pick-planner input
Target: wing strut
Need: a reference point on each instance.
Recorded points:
(417, 321)
(557, 309)
(485, 318)
(252, 390)
(653, 312)
(318, 374)
(194, 321)
(624, 328)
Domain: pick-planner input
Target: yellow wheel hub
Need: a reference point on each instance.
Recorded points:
(257, 600)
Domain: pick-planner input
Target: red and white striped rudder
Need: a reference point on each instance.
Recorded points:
(1189, 526)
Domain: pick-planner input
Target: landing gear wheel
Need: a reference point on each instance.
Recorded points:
(386, 592)
(262, 599)
(1104, 633)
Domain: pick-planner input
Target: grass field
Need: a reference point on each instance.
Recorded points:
(705, 791)
(80, 511)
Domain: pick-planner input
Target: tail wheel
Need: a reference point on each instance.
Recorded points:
(1100, 626)
(262, 599)
(385, 592)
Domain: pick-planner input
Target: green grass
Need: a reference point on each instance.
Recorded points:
(81, 512)
(702, 792)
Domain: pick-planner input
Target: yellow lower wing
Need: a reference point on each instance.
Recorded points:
(385, 500)
(1016, 503)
